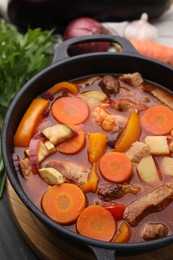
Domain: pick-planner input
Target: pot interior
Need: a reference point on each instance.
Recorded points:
(74, 68)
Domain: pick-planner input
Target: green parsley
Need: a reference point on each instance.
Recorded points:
(21, 57)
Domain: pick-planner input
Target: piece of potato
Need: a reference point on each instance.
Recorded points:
(147, 170)
(158, 145)
(45, 149)
(58, 133)
(166, 166)
(94, 97)
(51, 176)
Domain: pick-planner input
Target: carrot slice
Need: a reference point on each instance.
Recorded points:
(96, 222)
(116, 167)
(158, 120)
(63, 203)
(74, 144)
(70, 110)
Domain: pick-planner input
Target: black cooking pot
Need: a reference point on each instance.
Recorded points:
(66, 68)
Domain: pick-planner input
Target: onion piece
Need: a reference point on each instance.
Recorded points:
(82, 27)
(16, 162)
(44, 124)
(33, 152)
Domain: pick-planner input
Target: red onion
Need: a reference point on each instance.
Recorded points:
(33, 152)
(44, 124)
(85, 26)
(16, 162)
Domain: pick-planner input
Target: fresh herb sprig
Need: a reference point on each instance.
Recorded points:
(21, 57)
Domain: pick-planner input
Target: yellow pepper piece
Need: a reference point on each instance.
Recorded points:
(131, 133)
(124, 233)
(29, 121)
(72, 88)
(91, 184)
(96, 146)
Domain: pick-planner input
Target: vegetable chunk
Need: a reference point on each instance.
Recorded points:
(166, 166)
(147, 170)
(51, 176)
(96, 146)
(70, 110)
(63, 203)
(94, 97)
(72, 88)
(96, 222)
(158, 145)
(131, 133)
(58, 133)
(116, 167)
(124, 233)
(158, 120)
(74, 144)
(29, 122)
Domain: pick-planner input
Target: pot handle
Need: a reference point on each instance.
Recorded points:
(102, 253)
(61, 52)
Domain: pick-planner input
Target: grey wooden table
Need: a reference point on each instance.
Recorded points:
(12, 244)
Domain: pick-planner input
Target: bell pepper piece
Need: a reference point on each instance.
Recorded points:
(131, 133)
(124, 234)
(91, 184)
(29, 122)
(116, 210)
(96, 146)
(71, 87)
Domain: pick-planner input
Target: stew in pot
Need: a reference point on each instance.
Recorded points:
(95, 155)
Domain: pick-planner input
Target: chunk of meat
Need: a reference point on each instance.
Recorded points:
(109, 85)
(124, 105)
(71, 171)
(163, 96)
(105, 120)
(134, 79)
(109, 192)
(137, 151)
(155, 201)
(25, 168)
(154, 230)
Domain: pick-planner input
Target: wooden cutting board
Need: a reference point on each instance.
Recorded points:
(47, 246)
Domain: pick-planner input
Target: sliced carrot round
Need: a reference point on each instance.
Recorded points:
(158, 120)
(96, 222)
(70, 110)
(116, 167)
(64, 202)
(74, 144)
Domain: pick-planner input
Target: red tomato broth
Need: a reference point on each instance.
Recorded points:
(36, 193)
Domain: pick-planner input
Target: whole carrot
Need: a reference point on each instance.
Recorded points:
(154, 50)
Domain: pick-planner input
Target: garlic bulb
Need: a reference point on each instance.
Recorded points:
(140, 29)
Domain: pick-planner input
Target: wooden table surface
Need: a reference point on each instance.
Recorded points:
(12, 244)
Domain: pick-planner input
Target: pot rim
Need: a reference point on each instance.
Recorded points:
(130, 246)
